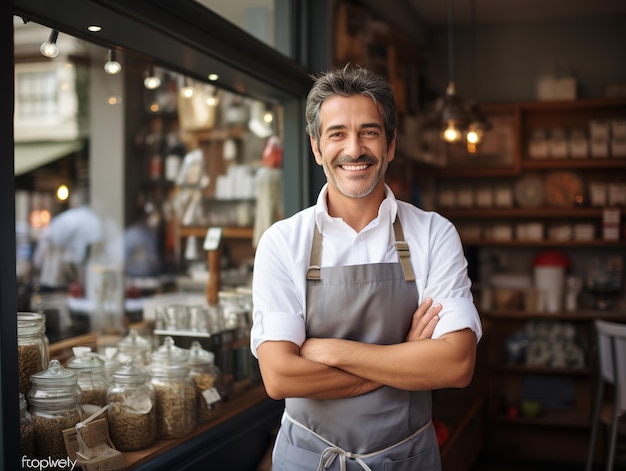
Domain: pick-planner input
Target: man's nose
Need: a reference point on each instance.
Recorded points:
(354, 146)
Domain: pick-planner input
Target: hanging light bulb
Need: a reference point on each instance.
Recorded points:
(478, 123)
(63, 193)
(152, 81)
(112, 66)
(187, 91)
(454, 117)
(50, 48)
(476, 129)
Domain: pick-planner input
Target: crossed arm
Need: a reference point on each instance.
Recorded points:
(335, 368)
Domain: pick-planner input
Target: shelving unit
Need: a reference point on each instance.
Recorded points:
(236, 237)
(559, 433)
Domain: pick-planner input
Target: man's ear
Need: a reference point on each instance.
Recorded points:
(316, 150)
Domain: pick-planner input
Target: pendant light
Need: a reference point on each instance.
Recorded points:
(454, 118)
(112, 66)
(478, 123)
(152, 81)
(50, 48)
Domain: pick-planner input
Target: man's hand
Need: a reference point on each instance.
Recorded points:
(424, 320)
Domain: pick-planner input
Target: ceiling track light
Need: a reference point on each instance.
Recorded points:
(112, 66)
(50, 48)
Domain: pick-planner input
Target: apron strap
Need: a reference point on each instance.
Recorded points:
(402, 247)
(333, 451)
(313, 273)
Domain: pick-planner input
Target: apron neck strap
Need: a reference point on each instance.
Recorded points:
(402, 247)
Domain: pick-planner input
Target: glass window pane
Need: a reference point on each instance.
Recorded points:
(259, 18)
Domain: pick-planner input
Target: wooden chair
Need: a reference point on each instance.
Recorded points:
(612, 362)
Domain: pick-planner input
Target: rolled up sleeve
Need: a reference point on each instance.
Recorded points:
(276, 326)
(458, 314)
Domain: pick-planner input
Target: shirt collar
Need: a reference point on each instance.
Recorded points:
(389, 206)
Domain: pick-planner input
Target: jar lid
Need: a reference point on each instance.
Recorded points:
(130, 373)
(199, 356)
(551, 258)
(30, 322)
(134, 342)
(85, 361)
(54, 382)
(169, 353)
(55, 374)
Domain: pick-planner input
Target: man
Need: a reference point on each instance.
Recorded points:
(348, 293)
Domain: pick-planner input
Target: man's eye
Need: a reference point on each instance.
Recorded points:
(371, 133)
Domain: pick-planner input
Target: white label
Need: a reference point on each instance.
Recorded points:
(211, 396)
(212, 239)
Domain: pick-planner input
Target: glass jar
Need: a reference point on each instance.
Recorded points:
(54, 401)
(111, 363)
(32, 347)
(27, 431)
(175, 391)
(89, 369)
(132, 408)
(236, 317)
(233, 312)
(208, 381)
(135, 347)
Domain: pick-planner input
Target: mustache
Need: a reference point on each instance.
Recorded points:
(362, 159)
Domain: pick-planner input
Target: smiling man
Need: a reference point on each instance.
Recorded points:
(362, 303)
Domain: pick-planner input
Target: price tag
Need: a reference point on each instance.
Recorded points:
(213, 238)
(211, 396)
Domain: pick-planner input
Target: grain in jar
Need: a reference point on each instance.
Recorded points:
(208, 381)
(32, 347)
(175, 391)
(89, 369)
(132, 410)
(27, 431)
(54, 401)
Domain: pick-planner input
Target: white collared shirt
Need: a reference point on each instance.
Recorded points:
(283, 255)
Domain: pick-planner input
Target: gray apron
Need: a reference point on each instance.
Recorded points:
(387, 429)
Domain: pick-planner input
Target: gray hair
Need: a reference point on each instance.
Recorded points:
(349, 81)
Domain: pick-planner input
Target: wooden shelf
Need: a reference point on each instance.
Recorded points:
(478, 172)
(581, 316)
(534, 370)
(544, 243)
(230, 409)
(524, 213)
(572, 164)
(227, 232)
(546, 420)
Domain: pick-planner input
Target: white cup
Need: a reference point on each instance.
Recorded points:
(549, 280)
